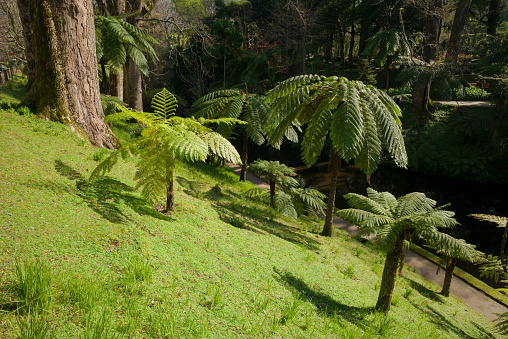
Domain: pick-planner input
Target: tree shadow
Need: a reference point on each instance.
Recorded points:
(424, 291)
(230, 209)
(105, 196)
(323, 302)
(445, 325)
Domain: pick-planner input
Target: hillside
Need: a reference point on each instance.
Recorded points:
(221, 266)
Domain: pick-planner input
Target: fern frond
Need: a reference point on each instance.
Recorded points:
(500, 221)
(164, 104)
(311, 197)
(221, 147)
(366, 204)
(414, 203)
(284, 205)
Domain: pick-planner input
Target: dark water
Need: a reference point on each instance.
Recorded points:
(465, 197)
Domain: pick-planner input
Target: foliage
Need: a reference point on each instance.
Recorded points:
(471, 93)
(116, 39)
(32, 286)
(358, 118)
(166, 138)
(387, 42)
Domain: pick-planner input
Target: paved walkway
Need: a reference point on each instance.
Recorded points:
(467, 103)
(472, 297)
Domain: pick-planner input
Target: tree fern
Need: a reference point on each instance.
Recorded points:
(166, 138)
(359, 120)
(237, 104)
(394, 221)
(501, 222)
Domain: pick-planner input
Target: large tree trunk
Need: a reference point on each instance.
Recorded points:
(328, 226)
(450, 266)
(133, 79)
(66, 86)
(457, 28)
(389, 273)
(26, 23)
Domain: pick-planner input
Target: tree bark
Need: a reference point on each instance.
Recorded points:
(116, 86)
(328, 226)
(431, 30)
(450, 266)
(66, 86)
(243, 173)
(459, 21)
(388, 65)
(133, 79)
(503, 244)
(493, 16)
(352, 42)
(170, 189)
(272, 193)
(24, 14)
(389, 274)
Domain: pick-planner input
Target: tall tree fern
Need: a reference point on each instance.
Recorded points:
(359, 119)
(501, 222)
(394, 221)
(386, 45)
(166, 138)
(233, 103)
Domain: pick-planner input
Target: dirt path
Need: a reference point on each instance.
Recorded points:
(472, 297)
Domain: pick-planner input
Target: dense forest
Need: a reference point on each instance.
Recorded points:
(350, 86)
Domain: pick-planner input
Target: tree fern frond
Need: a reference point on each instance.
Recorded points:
(371, 151)
(500, 221)
(164, 104)
(311, 197)
(284, 205)
(366, 204)
(414, 203)
(221, 147)
(315, 135)
(290, 85)
(138, 57)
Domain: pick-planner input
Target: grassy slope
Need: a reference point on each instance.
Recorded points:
(112, 257)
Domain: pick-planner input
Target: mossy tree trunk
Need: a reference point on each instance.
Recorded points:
(389, 274)
(133, 78)
(450, 266)
(328, 226)
(66, 85)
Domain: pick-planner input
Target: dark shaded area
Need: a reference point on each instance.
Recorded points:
(238, 215)
(424, 291)
(324, 303)
(105, 196)
(441, 321)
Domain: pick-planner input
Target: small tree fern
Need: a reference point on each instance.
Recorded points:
(233, 103)
(359, 119)
(394, 221)
(166, 138)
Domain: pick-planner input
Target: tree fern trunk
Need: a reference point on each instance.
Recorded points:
(328, 226)
(243, 174)
(105, 81)
(389, 273)
(503, 245)
(170, 189)
(272, 193)
(450, 266)
(388, 65)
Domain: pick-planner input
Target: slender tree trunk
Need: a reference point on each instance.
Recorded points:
(328, 226)
(503, 244)
(388, 65)
(493, 16)
(431, 30)
(450, 266)
(133, 79)
(66, 86)
(352, 42)
(389, 274)
(105, 81)
(341, 46)
(401, 263)
(224, 56)
(116, 87)
(272, 193)
(243, 173)
(24, 14)
(170, 189)
(459, 21)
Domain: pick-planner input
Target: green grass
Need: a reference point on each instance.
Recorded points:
(221, 266)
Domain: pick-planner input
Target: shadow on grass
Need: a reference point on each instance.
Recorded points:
(106, 195)
(231, 210)
(424, 291)
(444, 324)
(324, 303)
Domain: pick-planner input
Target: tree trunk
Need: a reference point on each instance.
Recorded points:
(272, 193)
(352, 42)
(66, 86)
(389, 274)
(457, 28)
(105, 81)
(170, 189)
(388, 65)
(431, 30)
(116, 87)
(493, 16)
(503, 244)
(450, 266)
(420, 103)
(243, 173)
(328, 226)
(401, 263)
(133, 80)
(24, 14)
